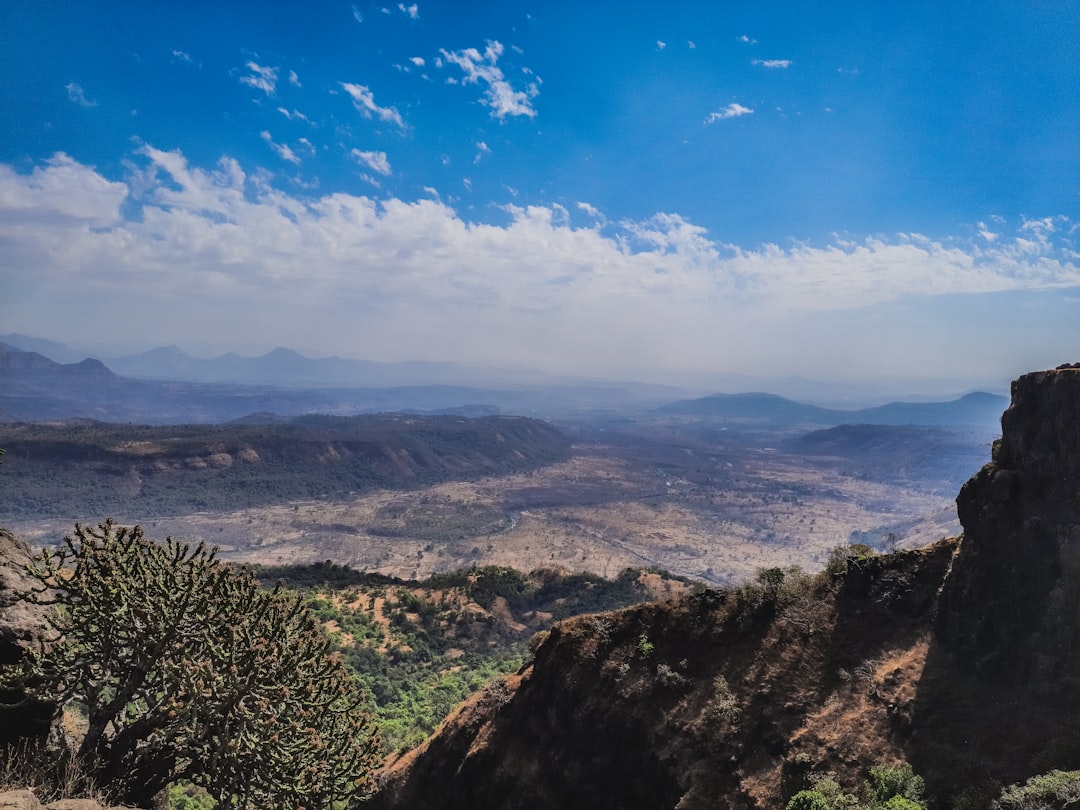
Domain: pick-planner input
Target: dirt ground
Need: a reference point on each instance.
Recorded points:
(710, 510)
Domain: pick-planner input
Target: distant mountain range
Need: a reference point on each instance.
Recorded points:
(978, 408)
(168, 385)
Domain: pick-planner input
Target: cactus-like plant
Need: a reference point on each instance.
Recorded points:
(188, 669)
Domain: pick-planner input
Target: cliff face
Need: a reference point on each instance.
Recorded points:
(1011, 605)
(962, 658)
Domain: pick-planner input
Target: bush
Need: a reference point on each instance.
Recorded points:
(1049, 791)
(187, 669)
(888, 782)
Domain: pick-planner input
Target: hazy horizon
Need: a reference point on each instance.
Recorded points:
(602, 191)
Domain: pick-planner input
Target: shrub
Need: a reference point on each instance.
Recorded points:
(889, 782)
(1048, 791)
(187, 669)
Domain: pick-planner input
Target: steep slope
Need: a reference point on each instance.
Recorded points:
(731, 698)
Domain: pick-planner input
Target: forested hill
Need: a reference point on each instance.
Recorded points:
(84, 469)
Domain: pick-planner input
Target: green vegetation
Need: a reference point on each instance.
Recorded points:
(889, 787)
(186, 668)
(1055, 790)
(421, 648)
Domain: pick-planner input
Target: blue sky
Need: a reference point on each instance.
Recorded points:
(824, 189)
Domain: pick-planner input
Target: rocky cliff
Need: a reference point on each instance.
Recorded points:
(1011, 605)
(960, 659)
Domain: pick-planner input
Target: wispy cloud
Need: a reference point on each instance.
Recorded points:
(280, 149)
(376, 161)
(412, 11)
(772, 63)
(364, 101)
(77, 95)
(294, 115)
(661, 44)
(732, 110)
(294, 80)
(357, 15)
(481, 150)
(500, 95)
(746, 40)
(691, 44)
(417, 60)
(260, 77)
(183, 57)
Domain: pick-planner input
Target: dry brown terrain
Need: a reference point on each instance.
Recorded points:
(713, 509)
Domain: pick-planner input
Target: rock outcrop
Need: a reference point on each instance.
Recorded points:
(22, 625)
(1011, 605)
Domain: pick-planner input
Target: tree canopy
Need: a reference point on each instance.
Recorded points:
(188, 669)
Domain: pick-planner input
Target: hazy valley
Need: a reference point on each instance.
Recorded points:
(713, 488)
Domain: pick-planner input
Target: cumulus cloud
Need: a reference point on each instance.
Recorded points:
(376, 161)
(280, 149)
(772, 63)
(420, 278)
(417, 60)
(77, 95)
(260, 77)
(499, 94)
(732, 110)
(364, 101)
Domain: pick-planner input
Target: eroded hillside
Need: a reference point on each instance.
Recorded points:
(732, 698)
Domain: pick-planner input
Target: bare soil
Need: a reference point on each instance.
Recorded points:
(713, 507)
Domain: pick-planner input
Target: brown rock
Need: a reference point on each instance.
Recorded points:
(19, 800)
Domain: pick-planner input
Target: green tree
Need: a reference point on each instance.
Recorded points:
(1048, 791)
(188, 669)
(889, 782)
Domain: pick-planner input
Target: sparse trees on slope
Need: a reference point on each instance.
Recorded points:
(188, 669)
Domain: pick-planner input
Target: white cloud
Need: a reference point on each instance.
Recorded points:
(294, 80)
(417, 279)
(417, 60)
(732, 110)
(747, 40)
(364, 101)
(280, 149)
(481, 150)
(661, 44)
(690, 44)
(295, 115)
(376, 161)
(181, 56)
(412, 12)
(77, 95)
(772, 63)
(260, 77)
(357, 15)
(500, 95)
